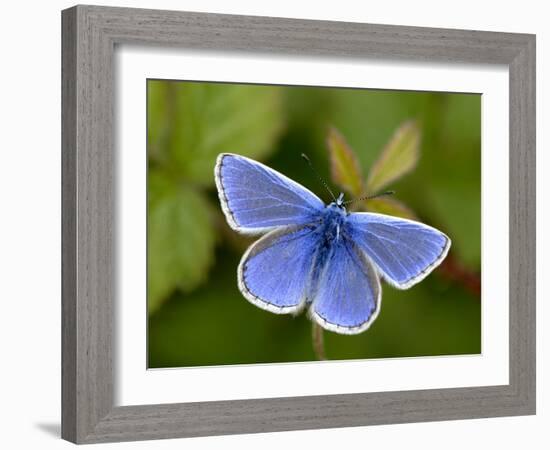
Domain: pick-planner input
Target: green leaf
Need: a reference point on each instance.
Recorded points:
(180, 238)
(345, 170)
(398, 157)
(214, 118)
(389, 206)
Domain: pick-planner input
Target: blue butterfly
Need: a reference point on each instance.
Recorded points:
(319, 256)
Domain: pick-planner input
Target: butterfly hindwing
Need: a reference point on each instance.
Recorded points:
(256, 199)
(275, 271)
(403, 251)
(347, 295)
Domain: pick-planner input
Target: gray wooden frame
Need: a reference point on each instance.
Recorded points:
(90, 34)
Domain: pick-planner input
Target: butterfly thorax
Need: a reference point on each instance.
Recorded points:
(332, 222)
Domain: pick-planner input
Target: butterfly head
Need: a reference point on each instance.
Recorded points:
(337, 207)
(340, 201)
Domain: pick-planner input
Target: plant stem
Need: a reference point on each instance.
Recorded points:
(455, 271)
(318, 341)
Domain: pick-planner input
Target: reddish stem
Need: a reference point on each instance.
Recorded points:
(455, 271)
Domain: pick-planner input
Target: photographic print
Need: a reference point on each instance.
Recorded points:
(297, 223)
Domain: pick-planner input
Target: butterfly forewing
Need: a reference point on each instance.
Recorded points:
(403, 251)
(257, 199)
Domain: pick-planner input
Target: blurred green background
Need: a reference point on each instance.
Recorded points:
(196, 314)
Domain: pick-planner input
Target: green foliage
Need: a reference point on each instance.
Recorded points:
(456, 184)
(189, 124)
(398, 157)
(180, 238)
(201, 318)
(345, 170)
(216, 118)
(158, 119)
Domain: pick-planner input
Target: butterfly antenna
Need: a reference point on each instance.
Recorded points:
(318, 176)
(369, 197)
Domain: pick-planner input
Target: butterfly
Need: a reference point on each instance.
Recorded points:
(315, 256)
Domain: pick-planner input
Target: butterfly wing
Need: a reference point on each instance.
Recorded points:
(274, 272)
(256, 199)
(347, 296)
(403, 251)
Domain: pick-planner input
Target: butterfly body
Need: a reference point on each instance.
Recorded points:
(327, 234)
(318, 256)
